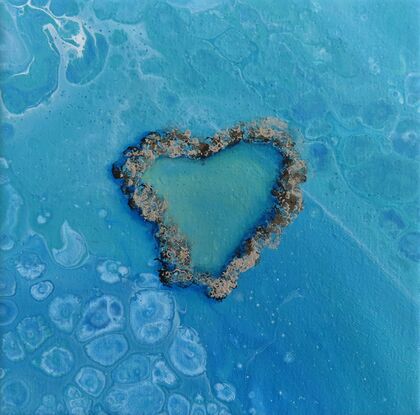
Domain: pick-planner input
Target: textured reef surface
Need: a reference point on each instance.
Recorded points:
(175, 251)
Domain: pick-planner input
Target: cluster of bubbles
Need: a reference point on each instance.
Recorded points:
(109, 354)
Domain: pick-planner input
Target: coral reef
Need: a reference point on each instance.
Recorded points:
(174, 250)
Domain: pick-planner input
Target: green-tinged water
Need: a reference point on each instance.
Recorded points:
(231, 190)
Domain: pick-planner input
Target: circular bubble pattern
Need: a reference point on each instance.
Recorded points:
(186, 352)
(8, 312)
(151, 316)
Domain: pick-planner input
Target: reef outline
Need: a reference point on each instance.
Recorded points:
(174, 250)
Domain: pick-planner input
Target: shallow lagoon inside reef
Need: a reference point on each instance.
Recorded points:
(325, 324)
(218, 201)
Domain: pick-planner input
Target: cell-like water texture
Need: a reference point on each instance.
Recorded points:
(91, 380)
(14, 396)
(8, 312)
(132, 369)
(163, 375)
(42, 290)
(101, 315)
(229, 128)
(29, 265)
(144, 398)
(76, 402)
(56, 361)
(186, 352)
(147, 280)
(225, 392)
(108, 349)
(111, 272)
(63, 312)
(49, 406)
(198, 409)
(152, 315)
(11, 347)
(33, 332)
(178, 405)
(7, 284)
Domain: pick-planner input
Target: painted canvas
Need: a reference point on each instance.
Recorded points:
(209, 207)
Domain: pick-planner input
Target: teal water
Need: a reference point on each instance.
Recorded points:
(327, 324)
(219, 201)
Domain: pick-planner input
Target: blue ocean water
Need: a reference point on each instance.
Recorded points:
(326, 324)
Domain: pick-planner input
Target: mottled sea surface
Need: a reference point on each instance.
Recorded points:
(326, 324)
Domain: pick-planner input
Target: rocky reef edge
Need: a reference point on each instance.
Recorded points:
(174, 250)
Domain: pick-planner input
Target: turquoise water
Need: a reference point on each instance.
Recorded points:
(219, 201)
(326, 324)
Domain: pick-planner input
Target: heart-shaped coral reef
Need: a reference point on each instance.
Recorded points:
(174, 247)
